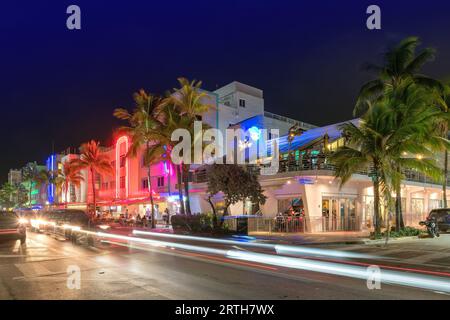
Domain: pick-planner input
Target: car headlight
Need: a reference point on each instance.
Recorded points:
(23, 221)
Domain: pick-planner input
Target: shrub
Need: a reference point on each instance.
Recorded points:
(193, 223)
(405, 232)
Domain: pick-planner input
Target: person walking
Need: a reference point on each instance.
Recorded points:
(167, 216)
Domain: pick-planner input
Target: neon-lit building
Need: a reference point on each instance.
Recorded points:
(304, 181)
(127, 189)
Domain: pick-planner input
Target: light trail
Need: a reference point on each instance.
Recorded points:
(341, 269)
(391, 277)
(282, 249)
(385, 276)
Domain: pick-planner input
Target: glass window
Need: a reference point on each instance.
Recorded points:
(242, 103)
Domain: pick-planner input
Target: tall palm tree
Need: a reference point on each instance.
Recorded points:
(190, 102)
(95, 162)
(34, 176)
(69, 174)
(146, 123)
(401, 64)
(377, 143)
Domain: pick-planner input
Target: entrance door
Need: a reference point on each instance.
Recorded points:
(326, 215)
(339, 214)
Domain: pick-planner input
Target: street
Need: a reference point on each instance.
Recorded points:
(117, 269)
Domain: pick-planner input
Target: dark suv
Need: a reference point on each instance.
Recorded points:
(11, 227)
(442, 217)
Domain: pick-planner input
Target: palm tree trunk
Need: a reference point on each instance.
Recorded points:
(186, 188)
(444, 185)
(376, 205)
(66, 186)
(399, 224)
(214, 212)
(180, 189)
(31, 188)
(168, 177)
(93, 193)
(150, 191)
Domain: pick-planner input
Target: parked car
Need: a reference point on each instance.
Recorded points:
(442, 217)
(11, 227)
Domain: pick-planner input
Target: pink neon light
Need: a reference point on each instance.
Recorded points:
(118, 143)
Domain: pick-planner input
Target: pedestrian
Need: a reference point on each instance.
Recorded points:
(166, 216)
(139, 220)
(144, 221)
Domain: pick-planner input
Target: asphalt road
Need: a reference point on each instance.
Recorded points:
(38, 270)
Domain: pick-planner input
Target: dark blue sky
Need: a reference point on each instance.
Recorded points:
(62, 85)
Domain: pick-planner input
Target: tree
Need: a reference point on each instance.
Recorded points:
(13, 196)
(146, 123)
(69, 174)
(382, 136)
(95, 162)
(236, 183)
(7, 194)
(189, 102)
(34, 176)
(401, 64)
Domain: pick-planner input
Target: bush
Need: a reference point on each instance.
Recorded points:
(405, 232)
(194, 223)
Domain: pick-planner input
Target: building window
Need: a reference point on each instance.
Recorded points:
(160, 182)
(242, 103)
(122, 182)
(145, 184)
(122, 161)
(97, 181)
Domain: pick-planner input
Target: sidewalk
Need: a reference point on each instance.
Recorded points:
(321, 238)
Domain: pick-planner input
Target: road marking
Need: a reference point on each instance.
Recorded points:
(32, 269)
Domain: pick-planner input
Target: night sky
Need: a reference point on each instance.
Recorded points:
(62, 86)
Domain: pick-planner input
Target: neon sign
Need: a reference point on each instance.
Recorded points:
(120, 141)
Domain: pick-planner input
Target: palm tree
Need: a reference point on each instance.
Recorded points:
(69, 174)
(146, 123)
(35, 176)
(190, 102)
(95, 161)
(382, 136)
(401, 64)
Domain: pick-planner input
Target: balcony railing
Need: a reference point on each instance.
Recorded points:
(321, 163)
